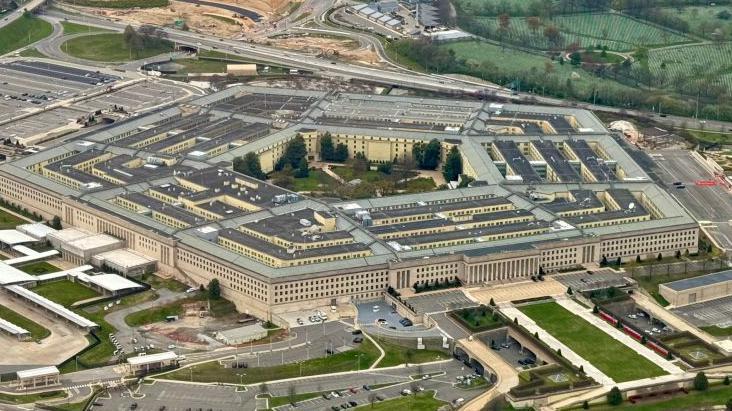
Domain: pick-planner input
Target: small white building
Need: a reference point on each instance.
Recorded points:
(242, 335)
(37, 230)
(38, 377)
(125, 262)
(79, 246)
(107, 284)
(145, 364)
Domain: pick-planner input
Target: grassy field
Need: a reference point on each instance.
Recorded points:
(110, 47)
(25, 399)
(615, 31)
(201, 66)
(607, 354)
(38, 332)
(693, 61)
(23, 31)
(158, 282)
(65, 292)
(476, 319)
(711, 137)
(32, 52)
(423, 401)
(397, 355)
(346, 361)
(219, 308)
(718, 331)
(509, 60)
(8, 221)
(695, 400)
(38, 268)
(75, 28)
(702, 20)
(313, 181)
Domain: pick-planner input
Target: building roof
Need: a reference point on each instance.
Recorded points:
(11, 275)
(37, 230)
(111, 282)
(11, 328)
(13, 237)
(701, 281)
(152, 358)
(38, 372)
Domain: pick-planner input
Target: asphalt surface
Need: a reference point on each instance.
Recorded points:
(708, 313)
(182, 396)
(710, 205)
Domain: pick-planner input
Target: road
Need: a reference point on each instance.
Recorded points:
(30, 6)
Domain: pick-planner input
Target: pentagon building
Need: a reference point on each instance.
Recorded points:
(553, 190)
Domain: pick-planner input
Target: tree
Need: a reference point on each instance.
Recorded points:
(659, 257)
(569, 291)
(726, 380)
(132, 39)
(701, 383)
(504, 21)
(603, 262)
(595, 310)
(263, 388)
(585, 405)
(249, 165)
(614, 397)
(56, 223)
(385, 168)
(294, 153)
(453, 166)
(575, 58)
(372, 399)
(637, 259)
(581, 369)
(728, 405)
(492, 303)
(327, 150)
(427, 156)
(678, 254)
(214, 289)
(515, 320)
(302, 170)
(341, 153)
(291, 393)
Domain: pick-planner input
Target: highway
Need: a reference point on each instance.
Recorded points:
(30, 6)
(401, 77)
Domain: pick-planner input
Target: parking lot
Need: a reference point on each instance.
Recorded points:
(716, 312)
(28, 87)
(591, 280)
(678, 166)
(507, 348)
(640, 318)
(370, 313)
(439, 302)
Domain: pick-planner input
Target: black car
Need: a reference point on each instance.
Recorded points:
(358, 340)
(366, 387)
(353, 403)
(356, 332)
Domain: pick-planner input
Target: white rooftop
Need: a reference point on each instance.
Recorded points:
(93, 241)
(38, 372)
(29, 257)
(124, 257)
(12, 328)
(11, 275)
(69, 234)
(60, 274)
(111, 282)
(13, 237)
(152, 358)
(37, 230)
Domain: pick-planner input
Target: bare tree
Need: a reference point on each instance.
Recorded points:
(372, 399)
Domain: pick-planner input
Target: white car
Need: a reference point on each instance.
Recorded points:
(375, 309)
(172, 347)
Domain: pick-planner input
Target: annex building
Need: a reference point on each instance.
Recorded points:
(553, 190)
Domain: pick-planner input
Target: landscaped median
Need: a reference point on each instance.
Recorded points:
(610, 356)
(22, 32)
(38, 332)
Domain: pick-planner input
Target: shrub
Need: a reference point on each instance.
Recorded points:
(614, 397)
(701, 383)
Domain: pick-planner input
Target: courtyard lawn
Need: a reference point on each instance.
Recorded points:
(9, 221)
(158, 282)
(65, 292)
(38, 332)
(477, 319)
(610, 356)
(718, 331)
(422, 401)
(396, 355)
(39, 267)
(315, 181)
(111, 47)
(345, 361)
(22, 32)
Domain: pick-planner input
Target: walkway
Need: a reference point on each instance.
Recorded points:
(617, 334)
(507, 376)
(512, 312)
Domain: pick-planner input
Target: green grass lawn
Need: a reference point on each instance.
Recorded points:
(32, 52)
(25, 399)
(695, 400)
(110, 47)
(477, 319)
(22, 32)
(65, 292)
(201, 66)
(8, 221)
(38, 332)
(75, 28)
(607, 354)
(346, 361)
(315, 181)
(39, 267)
(158, 282)
(219, 308)
(397, 355)
(423, 401)
(711, 137)
(419, 185)
(718, 331)
(347, 173)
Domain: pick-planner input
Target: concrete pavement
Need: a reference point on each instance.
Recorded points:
(507, 376)
(669, 318)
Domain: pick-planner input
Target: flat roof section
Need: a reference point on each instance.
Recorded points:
(590, 159)
(49, 305)
(152, 358)
(516, 161)
(554, 158)
(11, 328)
(38, 372)
(701, 281)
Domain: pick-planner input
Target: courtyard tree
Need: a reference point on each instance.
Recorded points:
(427, 156)
(701, 383)
(453, 166)
(294, 153)
(214, 289)
(327, 149)
(249, 165)
(614, 397)
(56, 223)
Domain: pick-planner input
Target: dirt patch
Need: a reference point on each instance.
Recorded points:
(332, 48)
